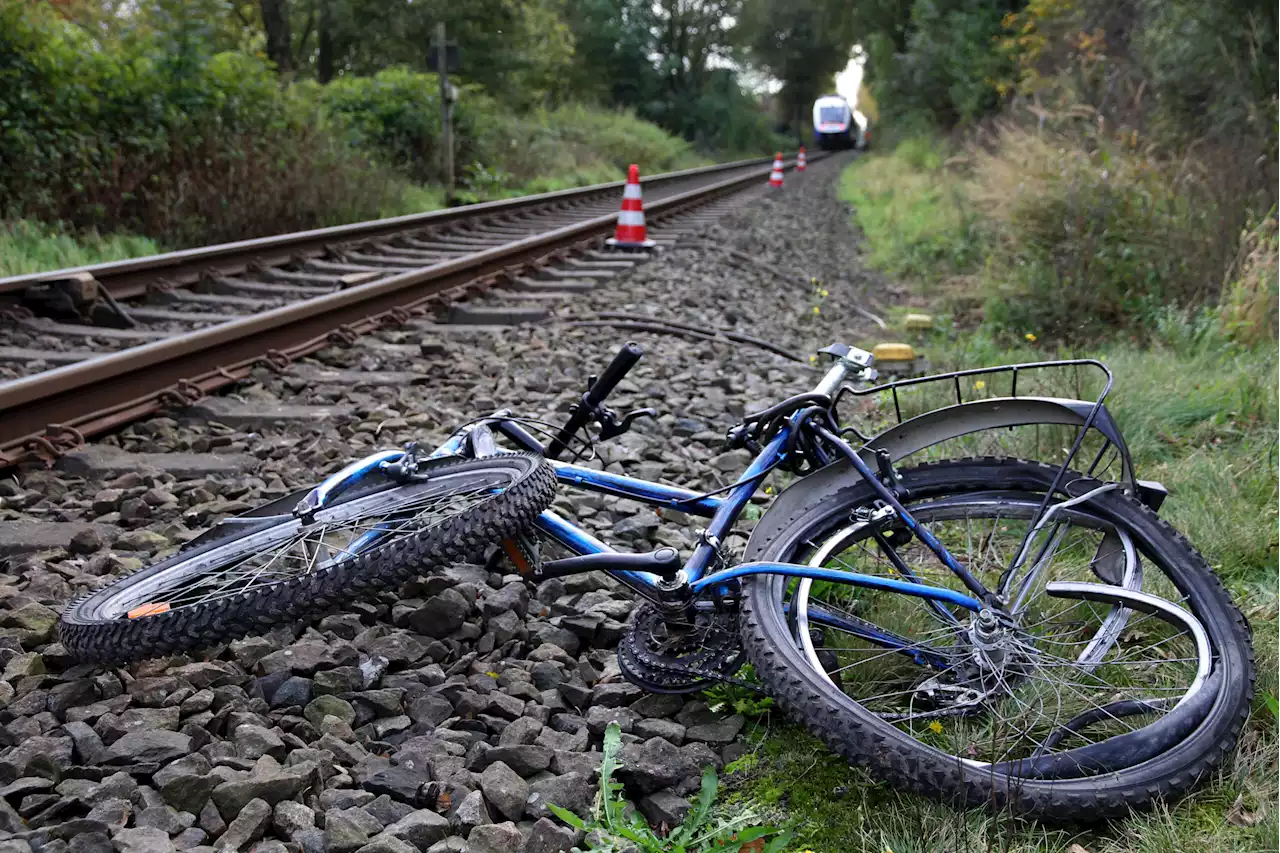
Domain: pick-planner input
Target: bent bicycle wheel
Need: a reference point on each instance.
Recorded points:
(1117, 670)
(265, 571)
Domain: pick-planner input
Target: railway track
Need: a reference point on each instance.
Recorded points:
(86, 350)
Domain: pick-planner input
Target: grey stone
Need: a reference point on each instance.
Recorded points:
(144, 839)
(387, 844)
(654, 764)
(718, 731)
(504, 790)
(289, 818)
(146, 747)
(329, 706)
(520, 732)
(249, 825)
(232, 797)
(190, 837)
(342, 832)
(188, 793)
(599, 719)
(470, 813)
(162, 818)
(547, 837)
(664, 809)
(668, 730)
(253, 742)
(615, 694)
(400, 783)
(294, 690)
(441, 615)
(421, 829)
(86, 842)
(311, 841)
(524, 759)
(495, 838)
(573, 791)
(387, 810)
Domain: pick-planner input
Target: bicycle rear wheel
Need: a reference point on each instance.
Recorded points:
(1073, 708)
(263, 571)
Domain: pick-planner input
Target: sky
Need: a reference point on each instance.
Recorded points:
(848, 80)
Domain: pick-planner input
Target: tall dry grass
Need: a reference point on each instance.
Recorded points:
(1097, 234)
(1250, 309)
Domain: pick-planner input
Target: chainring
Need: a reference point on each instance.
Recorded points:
(660, 658)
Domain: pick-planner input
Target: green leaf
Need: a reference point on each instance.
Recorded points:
(1273, 705)
(567, 816)
(777, 844)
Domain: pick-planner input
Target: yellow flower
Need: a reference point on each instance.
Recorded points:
(813, 280)
(979, 385)
(935, 727)
(824, 294)
(815, 310)
(491, 674)
(812, 359)
(1030, 337)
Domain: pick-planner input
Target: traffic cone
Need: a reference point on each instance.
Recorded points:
(775, 177)
(800, 160)
(630, 232)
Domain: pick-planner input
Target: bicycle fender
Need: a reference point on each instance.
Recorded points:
(926, 430)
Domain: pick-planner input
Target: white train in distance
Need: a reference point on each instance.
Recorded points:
(837, 125)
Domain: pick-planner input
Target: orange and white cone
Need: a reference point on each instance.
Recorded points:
(775, 177)
(800, 160)
(630, 232)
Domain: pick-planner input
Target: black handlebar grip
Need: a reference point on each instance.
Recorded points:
(622, 362)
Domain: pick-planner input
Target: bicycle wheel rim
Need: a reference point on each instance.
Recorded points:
(1014, 731)
(190, 583)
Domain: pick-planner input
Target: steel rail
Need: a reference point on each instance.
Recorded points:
(131, 278)
(46, 413)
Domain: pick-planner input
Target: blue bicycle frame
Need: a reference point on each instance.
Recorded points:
(722, 512)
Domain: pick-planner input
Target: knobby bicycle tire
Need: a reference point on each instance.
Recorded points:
(462, 537)
(866, 740)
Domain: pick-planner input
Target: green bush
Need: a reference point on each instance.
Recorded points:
(1093, 241)
(156, 134)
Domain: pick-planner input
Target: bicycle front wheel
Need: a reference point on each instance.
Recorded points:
(1115, 671)
(277, 568)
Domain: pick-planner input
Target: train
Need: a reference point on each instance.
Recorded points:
(837, 125)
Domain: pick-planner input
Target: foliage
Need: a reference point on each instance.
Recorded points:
(27, 247)
(154, 130)
(916, 222)
(159, 135)
(740, 698)
(1251, 300)
(615, 827)
(802, 43)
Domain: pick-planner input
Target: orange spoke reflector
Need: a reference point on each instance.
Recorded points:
(516, 556)
(150, 609)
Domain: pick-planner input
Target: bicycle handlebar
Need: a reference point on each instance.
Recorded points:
(596, 394)
(622, 362)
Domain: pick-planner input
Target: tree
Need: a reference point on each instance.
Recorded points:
(802, 43)
(275, 20)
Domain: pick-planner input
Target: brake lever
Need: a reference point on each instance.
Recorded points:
(610, 426)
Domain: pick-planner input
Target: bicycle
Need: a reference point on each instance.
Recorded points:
(1073, 660)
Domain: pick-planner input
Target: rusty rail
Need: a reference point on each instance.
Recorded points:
(130, 278)
(46, 414)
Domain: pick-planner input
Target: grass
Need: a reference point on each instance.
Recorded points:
(27, 247)
(1199, 411)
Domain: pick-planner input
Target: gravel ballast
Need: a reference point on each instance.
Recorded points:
(446, 717)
